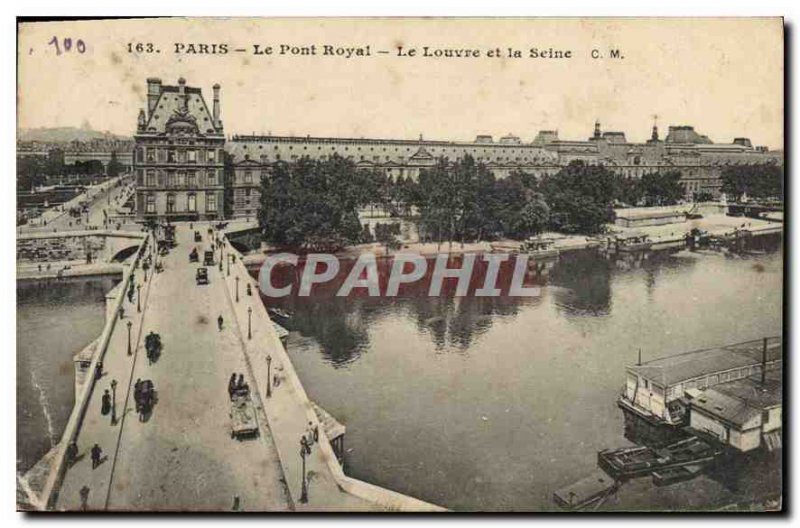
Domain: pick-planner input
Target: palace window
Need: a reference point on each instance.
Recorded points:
(160, 178)
(151, 156)
(150, 203)
(211, 177)
(248, 176)
(170, 203)
(181, 178)
(162, 155)
(190, 179)
(191, 203)
(191, 156)
(181, 156)
(171, 156)
(151, 178)
(140, 154)
(211, 156)
(211, 202)
(170, 178)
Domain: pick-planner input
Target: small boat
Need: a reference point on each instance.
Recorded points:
(539, 247)
(633, 242)
(589, 491)
(665, 477)
(279, 313)
(632, 462)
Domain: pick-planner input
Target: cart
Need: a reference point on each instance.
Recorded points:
(152, 343)
(194, 256)
(146, 397)
(243, 416)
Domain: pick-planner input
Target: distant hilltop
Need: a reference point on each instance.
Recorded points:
(66, 135)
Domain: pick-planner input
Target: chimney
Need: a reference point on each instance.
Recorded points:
(216, 105)
(153, 93)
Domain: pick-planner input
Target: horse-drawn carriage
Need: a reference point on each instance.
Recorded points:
(145, 397)
(194, 256)
(243, 414)
(152, 344)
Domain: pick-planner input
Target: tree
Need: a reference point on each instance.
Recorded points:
(387, 235)
(313, 204)
(534, 216)
(580, 197)
(661, 188)
(114, 166)
(758, 181)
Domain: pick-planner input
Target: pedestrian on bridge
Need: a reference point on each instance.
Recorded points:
(97, 452)
(105, 408)
(219, 322)
(232, 385)
(84, 497)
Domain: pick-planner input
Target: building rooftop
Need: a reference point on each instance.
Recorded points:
(742, 400)
(676, 369)
(180, 106)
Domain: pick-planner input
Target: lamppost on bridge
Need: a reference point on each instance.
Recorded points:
(138, 295)
(249, 316)
(130, 324)
(303, 453)
(269, 376)
(113, 402)
(229, 265)
(237, 288)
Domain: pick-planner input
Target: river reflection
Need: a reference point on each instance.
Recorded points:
(494, 403)
(55, 320)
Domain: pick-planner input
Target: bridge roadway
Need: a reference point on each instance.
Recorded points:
(182, 457)
(103, 198)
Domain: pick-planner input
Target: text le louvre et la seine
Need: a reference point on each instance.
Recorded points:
(351, 52)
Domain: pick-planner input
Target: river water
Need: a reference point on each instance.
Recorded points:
(493, 404)
(55, 320)
(471, 403)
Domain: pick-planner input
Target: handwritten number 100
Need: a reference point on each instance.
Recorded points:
(66, 45)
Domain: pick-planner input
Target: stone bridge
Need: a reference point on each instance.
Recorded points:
(180, 454)
(104, 245)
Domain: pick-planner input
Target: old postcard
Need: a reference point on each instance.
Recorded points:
(400, 265)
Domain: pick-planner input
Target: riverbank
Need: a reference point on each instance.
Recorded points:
(64, 269)
(660, 235)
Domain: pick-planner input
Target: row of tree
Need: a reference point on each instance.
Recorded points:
(315, 203)
(35, 171)
(756, 181)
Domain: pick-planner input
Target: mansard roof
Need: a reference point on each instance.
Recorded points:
(176, 113)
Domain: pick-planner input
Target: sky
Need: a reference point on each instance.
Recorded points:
(724, 76)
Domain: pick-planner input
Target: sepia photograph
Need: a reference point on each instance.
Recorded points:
(443, 264)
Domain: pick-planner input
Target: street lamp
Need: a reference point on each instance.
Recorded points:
(138, 295)
(229, 265)
(113, 402)
(130, 324)
(304, 489)
(237, 288)
(269, 376)
(249, 314)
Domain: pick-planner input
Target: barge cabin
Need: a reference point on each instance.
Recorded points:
(656, 391)
(742, 415)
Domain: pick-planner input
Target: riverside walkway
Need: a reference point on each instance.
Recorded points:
(182, 457)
